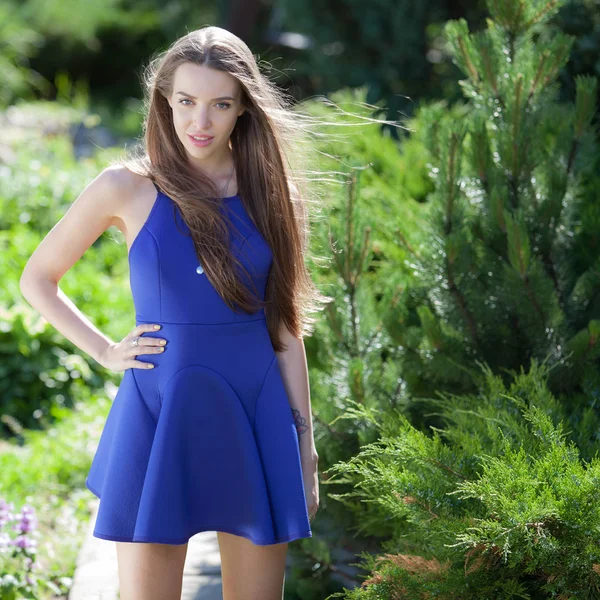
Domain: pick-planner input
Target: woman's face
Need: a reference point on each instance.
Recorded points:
(205, 103)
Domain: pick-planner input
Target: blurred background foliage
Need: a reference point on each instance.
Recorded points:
(394, 48)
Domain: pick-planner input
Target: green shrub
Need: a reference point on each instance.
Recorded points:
(38, 370)
(499, 504)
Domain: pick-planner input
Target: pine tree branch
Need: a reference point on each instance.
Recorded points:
(541, 14)
(513, 181)
(519, 27)
(480, 142)
(530, 294)
(572, 154)
(353, 324)
(452, 287)
(538, 75)
(511, 46)
(514, 191)
(407, 245)
(537, 525)
(470, 66)
(462, 304)
(334, 326)
(487, 65)
(450, 182)
(358, 271)
(358, 388)
(546, 260)
(561, 54)
(533, 300)
(350, 229)
(549, 266)
(515, 135)
(350, 270)
(412, 500)
(446, 468)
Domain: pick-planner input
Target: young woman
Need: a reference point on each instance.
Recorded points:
(211, 427)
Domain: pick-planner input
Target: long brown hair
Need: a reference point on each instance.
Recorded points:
(271, 151)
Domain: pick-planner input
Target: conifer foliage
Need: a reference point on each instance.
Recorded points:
(498, 505)
(501, 502)
(498, 273)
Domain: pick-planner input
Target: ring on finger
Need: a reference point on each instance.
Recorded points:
(135, 342)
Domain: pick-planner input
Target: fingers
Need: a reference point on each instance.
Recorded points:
(143, 328)
(145, 341)
(145, 345)
(138, 364)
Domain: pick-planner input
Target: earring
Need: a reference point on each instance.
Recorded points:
(199, 270)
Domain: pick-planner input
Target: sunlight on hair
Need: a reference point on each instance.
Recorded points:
(275, 148)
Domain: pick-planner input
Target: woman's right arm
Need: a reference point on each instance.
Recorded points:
(94, 211)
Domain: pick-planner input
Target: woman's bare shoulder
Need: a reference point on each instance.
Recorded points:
(123, 183)
(125, 190)
(111, 198)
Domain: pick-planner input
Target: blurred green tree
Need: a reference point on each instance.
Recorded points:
(18, 43)
(397, 48)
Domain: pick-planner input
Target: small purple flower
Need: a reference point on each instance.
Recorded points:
(26, 523)
(22, 541)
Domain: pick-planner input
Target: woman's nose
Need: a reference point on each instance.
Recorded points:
(202, 120)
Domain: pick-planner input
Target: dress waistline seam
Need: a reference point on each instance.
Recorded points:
(159, 321)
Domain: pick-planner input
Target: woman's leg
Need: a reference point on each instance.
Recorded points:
(150, 571)
(249, 571)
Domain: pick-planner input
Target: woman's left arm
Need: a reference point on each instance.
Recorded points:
(294, 372)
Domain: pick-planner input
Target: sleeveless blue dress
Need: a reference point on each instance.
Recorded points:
(206, 440)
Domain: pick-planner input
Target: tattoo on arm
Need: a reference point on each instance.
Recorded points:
(301, 425)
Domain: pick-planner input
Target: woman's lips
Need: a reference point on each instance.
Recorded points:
(200, 143)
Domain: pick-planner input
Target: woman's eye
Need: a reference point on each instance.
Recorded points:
(224, 105)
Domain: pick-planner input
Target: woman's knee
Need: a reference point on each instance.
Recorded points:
(150, 571)
(250, 571)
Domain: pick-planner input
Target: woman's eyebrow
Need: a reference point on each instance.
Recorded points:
(194, 97)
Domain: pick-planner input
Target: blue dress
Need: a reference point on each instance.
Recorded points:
(206, 440)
